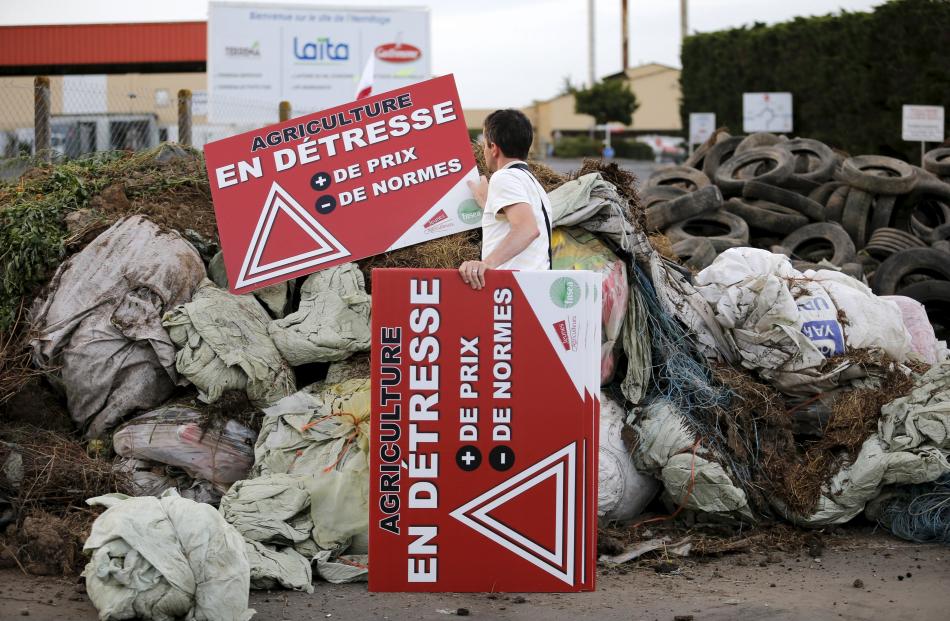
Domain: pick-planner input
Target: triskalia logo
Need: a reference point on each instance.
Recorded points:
(312, 243)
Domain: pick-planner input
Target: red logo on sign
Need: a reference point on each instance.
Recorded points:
(398, 53)
(561, 328)
(438, 217)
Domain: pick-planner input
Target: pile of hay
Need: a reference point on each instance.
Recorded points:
(46, 479)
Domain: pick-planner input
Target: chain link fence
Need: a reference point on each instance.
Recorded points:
(65, 117)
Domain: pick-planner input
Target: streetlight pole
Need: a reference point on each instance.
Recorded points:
(684, 20)
(591, 73)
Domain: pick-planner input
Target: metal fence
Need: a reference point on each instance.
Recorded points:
(70, 116)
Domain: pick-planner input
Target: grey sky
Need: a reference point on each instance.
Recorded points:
(502, 52)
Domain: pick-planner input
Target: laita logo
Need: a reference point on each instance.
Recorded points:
(469, 212)
(398, 53)
(565, 292)
(321, 50)
(440, 216)
(254, 51)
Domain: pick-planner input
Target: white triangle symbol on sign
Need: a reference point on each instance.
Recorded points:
(327, 247)
(558, 562)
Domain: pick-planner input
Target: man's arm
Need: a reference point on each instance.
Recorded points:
(524, 230)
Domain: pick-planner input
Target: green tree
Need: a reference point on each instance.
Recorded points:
(607, 101)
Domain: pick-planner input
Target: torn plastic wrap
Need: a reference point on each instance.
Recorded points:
(911, 446)
(323, 431)
(100, 321)
(331, 322)
(165, 558)
(181, 437)
(784, 324)
(223, 345)
(575, 249)
(690, 476)
(622, 492)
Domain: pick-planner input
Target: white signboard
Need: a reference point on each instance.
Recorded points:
(311, 56)
(923, 124)
(85, 94)
(701, 126)
(766, 112)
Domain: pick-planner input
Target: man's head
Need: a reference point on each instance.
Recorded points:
(508, 134)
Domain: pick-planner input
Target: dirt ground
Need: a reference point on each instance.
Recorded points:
(899, 580)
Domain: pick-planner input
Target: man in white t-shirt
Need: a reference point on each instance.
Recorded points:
(516, 229)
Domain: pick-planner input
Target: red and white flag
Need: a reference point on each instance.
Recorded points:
(365, 87)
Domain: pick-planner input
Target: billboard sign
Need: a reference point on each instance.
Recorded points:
(766, 112)
(484, 439)
(311, 56)
(360, 179)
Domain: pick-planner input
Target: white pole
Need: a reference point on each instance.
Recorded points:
(684, 20)
(591, 73)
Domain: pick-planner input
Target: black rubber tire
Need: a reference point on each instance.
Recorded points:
(935, 296)
(924, 261)
(720, 153)
(660, 194)
(860, 172)
(728, 176)
(766, 216)
(825, 234)
(938, 162)
(922, 230)
(759, 140)
(943, 245)
(836, 202)
(926, 190)
(822, 193)
(886, 241)
(856, 215)
(938, 233)
(690, 205)
(735, 231)
(882, 210)
(695, 252)
(854, 270)
(800, 185)
(808, 150)
(684, 177)
(802, 204)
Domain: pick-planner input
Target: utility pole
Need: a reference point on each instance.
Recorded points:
(684, 20)
(591, 73)
(625, 35)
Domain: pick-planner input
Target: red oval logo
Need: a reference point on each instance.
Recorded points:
(398, 53)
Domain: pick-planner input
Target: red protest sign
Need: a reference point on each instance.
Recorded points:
(363, 178)
(484, 440)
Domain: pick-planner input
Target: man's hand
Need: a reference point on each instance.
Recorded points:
(480, 190)
(473, 273)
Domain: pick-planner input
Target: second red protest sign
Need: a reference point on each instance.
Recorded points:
(339, 185)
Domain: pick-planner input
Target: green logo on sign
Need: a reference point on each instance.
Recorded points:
(565, 292)
(470, 212)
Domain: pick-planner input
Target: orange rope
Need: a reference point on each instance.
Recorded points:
(682, 503)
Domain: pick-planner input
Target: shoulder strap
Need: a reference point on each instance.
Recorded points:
(547, 220)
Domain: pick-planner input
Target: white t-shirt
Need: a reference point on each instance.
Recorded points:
(509, 186)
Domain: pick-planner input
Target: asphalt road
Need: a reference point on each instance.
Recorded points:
(899, 580)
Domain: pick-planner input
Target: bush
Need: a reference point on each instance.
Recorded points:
(849, 74)
(633, 150)
(577, 146)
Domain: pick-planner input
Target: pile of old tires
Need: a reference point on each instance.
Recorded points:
(876, 218)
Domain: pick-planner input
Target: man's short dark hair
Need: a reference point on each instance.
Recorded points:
(511, 131)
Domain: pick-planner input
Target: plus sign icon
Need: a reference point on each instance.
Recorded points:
(484, 431)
